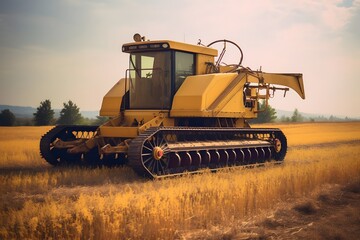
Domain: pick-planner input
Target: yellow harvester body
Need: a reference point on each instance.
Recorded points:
(171, 88)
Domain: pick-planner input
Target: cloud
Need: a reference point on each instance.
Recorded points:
(72, 48)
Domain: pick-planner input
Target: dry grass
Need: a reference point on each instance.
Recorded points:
(114, 203)
(318, 133)
(19, 147)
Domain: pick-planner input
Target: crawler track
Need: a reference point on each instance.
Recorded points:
(56, 156)
(171, 151)
(164, 152)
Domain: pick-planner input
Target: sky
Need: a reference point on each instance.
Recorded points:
(71, 49)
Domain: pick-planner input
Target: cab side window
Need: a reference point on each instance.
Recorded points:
(184, 66)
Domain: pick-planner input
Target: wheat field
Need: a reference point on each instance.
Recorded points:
(42, 202)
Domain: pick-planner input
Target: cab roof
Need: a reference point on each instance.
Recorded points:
(157, 45)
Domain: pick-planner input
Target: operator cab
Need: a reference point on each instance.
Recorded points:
(158, 68)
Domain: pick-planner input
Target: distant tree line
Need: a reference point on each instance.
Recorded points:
(268, 114)
(44, 116)
(296, 117)
(70, 115)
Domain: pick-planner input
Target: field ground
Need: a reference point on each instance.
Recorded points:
(329, 213)
(314, 194)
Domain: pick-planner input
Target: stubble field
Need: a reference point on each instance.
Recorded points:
(42, 202)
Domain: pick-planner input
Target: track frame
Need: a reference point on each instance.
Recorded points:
(192, 150)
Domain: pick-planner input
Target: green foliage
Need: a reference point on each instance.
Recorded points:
(44, 115)
(70, 114)
(86, 121)
(24, 121)
(297, 117)
(285, 119)
(266, 116)
(100, 120)
(91, 121)
(7, 118)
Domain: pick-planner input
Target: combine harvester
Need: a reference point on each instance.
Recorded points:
(177, 111)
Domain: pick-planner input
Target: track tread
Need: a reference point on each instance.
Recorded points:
(136, 145)
(135, 150)
(54, 133)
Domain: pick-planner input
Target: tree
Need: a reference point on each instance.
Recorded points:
(266, 116)
(297, 117)
(7, 118)
(44, 114)
(70, 114)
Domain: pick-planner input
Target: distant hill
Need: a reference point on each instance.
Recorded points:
(18, 111)
(27, 112)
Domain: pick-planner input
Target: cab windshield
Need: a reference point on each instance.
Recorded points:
(150, 80)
